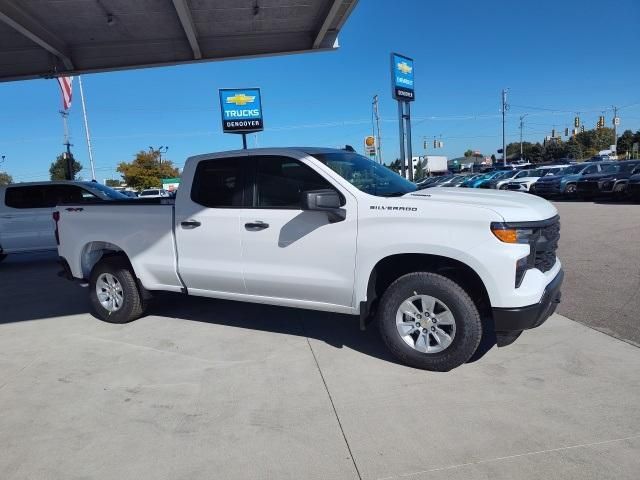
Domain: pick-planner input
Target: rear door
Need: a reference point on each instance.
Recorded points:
(207, 226)
(26, 219)
(293, 254)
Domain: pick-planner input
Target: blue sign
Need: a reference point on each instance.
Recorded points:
(402, 78)
(241, 110)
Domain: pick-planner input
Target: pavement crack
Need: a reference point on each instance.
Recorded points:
(333, 406)
(509, 457)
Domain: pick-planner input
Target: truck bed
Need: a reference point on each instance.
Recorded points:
(141, 228)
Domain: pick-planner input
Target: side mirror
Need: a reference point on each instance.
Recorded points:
(325, 201)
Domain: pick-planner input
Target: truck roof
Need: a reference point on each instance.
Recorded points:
(266, 151)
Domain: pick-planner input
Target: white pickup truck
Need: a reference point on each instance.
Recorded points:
(330, 230)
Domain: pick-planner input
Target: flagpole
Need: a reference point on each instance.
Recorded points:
(86, 129)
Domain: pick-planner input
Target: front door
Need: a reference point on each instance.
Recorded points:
(207, 226)
(290, 253)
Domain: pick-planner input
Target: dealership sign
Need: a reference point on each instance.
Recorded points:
(241, 110)
(402, 78)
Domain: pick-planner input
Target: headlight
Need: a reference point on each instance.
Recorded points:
(507, 234)
(523, 236)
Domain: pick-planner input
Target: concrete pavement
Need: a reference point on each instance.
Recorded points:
(203, 389)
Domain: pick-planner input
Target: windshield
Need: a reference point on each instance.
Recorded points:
(366, 175)
(610, 168)
(573, 169)
(104, 192)
(523, 173)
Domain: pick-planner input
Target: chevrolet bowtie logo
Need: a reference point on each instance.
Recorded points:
(404, 68)
(241, 99)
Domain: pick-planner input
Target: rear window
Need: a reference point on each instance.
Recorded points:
(26, 197)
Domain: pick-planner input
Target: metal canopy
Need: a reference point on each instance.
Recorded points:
(44, 38)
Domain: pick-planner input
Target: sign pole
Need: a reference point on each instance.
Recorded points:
(244, 141)
(409, 149)
(402, 155)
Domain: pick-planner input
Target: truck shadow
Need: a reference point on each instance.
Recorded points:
(337, 330)
(30, 289)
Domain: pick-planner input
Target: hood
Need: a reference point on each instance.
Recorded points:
(511, 206)
(525, 179)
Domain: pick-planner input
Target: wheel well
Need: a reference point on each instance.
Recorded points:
(93, 252)
(393, 267)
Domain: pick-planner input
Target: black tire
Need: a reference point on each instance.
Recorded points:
(467, 321)
(133, 304)
(3, 256)
(570, 189)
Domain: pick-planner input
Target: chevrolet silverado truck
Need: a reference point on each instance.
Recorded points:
(330, 230)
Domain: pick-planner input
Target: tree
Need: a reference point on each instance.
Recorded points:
(573, 149)
(493, 158)
(58, 169)
(625, 141)
(395, 165)
(468, 153)
(147, 170)
(5, 179)
(419, 174)
(112, 182)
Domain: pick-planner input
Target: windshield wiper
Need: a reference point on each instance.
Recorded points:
(394, 194)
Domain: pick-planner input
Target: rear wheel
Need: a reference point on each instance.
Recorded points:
(114, 292)
(428, 321)
(571, 189)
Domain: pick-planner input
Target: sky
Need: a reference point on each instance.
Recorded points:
(555, 58)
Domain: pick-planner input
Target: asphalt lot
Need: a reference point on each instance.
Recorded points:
(205, 389)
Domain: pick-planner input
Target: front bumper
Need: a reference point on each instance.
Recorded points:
(531, 316)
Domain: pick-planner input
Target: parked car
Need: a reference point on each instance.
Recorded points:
(487, 177)
(129, 193)
(471, 179)
(500, 175)
(523, 183)
(564, 182)
(320, 231)
(26, 224)
(431, 181)
(612, 180)
(154, 193)
(455, 181)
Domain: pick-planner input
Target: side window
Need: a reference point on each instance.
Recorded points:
(56, 194)
(280, 182)
(591, 169)
(219, 183)
(26, 197)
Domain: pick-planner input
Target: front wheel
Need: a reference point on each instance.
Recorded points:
(428, 321)
(570, 190)
(114, 292)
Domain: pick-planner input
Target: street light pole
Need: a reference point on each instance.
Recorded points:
(521, 127)
(504, 110)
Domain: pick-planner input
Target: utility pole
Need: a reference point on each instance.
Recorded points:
(615, 130)
(504, 111)
(521, 127)
(67, 155)
(376, 113)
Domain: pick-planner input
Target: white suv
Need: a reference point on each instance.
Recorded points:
(26, 222)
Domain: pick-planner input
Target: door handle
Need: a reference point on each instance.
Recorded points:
(255, 226)
(190, 224)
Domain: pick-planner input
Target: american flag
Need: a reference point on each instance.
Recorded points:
(65, 88)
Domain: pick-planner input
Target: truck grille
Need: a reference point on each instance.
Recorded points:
(544, 249)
